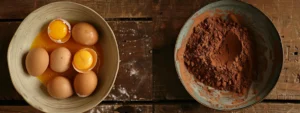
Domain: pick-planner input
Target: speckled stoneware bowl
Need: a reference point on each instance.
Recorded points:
(31, 88)
(268, 54)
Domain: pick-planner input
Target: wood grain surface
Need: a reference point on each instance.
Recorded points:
(134, 81)
(147, 73)
(19, 9)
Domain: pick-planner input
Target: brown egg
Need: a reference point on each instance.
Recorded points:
(85, 83)
(85, 34)
(59, 87)
(37, 61)
(60, 59)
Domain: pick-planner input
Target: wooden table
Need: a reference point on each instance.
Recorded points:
(146, 31)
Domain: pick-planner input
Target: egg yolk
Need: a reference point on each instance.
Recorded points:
(58, 29)
(83, 59)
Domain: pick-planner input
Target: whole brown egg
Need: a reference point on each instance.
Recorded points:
(85, 83)
(85, 34)
(60, 87)
(60, 59)
(37, 61)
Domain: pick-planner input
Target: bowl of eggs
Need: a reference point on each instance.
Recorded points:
(63, 57)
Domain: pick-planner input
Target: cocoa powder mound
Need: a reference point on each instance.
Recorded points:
(219, 54)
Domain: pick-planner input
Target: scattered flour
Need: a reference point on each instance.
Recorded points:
(139, 109)
(95, 110)
(114, 97)
(133, 71)
(123, 91)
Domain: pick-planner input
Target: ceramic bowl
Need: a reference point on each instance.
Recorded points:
(30, 88)
(268, 54)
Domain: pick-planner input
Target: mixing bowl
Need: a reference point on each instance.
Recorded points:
(30, 88)
(268, 53)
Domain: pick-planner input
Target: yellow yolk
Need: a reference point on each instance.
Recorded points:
(58, 29)
(83, 59)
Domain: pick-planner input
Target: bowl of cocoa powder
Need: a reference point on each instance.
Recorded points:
(228, 55)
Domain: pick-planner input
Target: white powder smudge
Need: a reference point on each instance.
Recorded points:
(139, 109)
(131, 68)
(122, 30)
(92, 110)
(146, 36)
(133, 34)
(129, 53)
(134, 96)
(179, 111)
(114, 97)
(133, 71)
(133, 31)
(123, 91)
(101, 109)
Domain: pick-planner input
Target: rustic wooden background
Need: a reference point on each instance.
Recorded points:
(146, 31)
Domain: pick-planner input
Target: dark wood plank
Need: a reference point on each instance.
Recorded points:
(134, 81)
(19, 9)
(258, 108)
(102, 108)
(7, 91)
(168, 108)
(125, 108)
(285, 16)
(18, 109)
(169, 17)
(166, 84)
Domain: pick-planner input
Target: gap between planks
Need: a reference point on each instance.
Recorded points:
(106, 19)
(24, 103)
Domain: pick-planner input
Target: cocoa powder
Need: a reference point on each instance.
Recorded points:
(219, 54)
